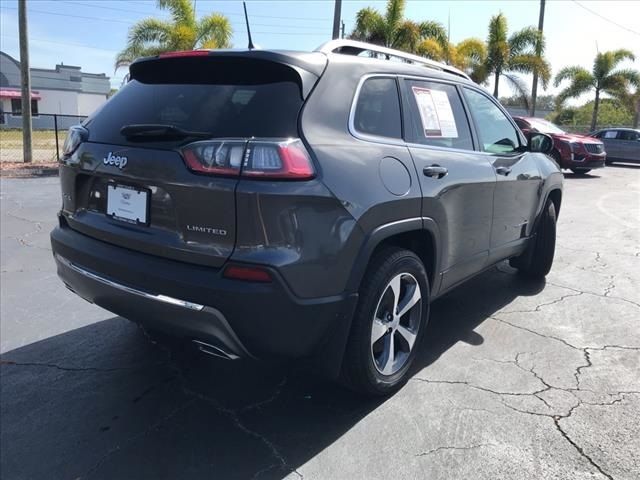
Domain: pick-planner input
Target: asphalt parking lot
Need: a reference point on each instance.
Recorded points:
(516, 380)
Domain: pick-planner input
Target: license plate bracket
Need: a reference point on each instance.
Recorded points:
(128, 204)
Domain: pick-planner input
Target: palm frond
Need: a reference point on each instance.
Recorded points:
(573, 73)
(149, 30)
(393, 17)
(435, 30)
(369, 26)
(431, 48)
(520, 87)
(525, 41)
(129, 54)
(622, 54)
(497, 45)
(531, 63)
(213, 31)
(406, 36)
(579, 85)
(181, 11)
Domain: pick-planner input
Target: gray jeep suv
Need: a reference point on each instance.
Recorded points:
(285, 204)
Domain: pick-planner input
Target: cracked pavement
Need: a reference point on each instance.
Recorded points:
(515, 380)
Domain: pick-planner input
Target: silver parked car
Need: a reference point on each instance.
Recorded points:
(621, 144)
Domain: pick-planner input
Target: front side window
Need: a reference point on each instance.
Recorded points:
(497, 134)
(437, 115)
(610, 134)
(378, 108)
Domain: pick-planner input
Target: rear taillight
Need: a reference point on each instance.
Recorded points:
(75, 136)
(273, 159)
(222, 157)
(268, 159)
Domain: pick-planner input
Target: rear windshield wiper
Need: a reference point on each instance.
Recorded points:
(148, 130)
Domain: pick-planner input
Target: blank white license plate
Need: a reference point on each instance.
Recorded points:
(127, 203)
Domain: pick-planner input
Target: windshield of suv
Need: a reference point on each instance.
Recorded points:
(544, 126)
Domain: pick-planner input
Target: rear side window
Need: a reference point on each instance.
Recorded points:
(497, 134)
(437, 115)
(378, 108)
(627, 135)
(242, 103)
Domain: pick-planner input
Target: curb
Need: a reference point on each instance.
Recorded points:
(29, 172)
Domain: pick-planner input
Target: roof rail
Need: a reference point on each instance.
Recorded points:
(353, 47)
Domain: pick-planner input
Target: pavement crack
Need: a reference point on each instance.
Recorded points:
(550, 337)
(232, 414)
(576, 293)
(579, 449)
(440, 449)
(578, 372)
(606, 294)
(71, 369)
(129, 440)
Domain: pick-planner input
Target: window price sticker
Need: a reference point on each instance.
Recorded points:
(436, 113)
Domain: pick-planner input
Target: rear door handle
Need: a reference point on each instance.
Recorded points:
(503, 171)
(435, 171)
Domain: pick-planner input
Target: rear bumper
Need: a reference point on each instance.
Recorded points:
(196, 302)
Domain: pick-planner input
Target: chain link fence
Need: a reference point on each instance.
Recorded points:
(49, 133)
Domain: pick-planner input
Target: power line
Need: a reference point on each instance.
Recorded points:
(605, 18)
(129, 22)
(311, 19)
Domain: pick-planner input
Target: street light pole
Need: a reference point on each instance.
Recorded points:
(534, 86)
(336, 19)
(25, 81)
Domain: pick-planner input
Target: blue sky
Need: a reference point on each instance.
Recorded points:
(90, 32)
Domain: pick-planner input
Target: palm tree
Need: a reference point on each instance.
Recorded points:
(392, 30)
(469, 55)
(183, 32)
(603, 78)
(516, 53)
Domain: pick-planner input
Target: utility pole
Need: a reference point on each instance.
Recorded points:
(336, 19)
(341, 29)
(534, 86)
(25, 80)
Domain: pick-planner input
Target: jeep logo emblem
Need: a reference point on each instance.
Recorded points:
(117, 161)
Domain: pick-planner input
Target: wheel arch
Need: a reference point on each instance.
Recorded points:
(555, 195)
(420, 235)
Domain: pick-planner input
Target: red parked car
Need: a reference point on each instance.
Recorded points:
(579, 153)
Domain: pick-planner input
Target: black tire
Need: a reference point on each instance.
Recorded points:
(536, 262)
(580, 171)
(359, 371)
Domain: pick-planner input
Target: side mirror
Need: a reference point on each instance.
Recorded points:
(540, 142)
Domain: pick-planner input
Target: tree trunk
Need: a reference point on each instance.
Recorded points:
(596, 105)
(636, 117)
(495, 87)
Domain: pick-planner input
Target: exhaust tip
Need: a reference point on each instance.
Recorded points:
(214, 350)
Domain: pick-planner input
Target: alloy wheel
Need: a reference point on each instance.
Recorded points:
(395, 323)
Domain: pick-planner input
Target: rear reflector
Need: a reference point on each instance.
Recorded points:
(184, 53)
(248, 274)
(268, 159)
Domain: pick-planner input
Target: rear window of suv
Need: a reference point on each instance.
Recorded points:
(225, 107)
